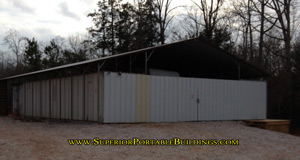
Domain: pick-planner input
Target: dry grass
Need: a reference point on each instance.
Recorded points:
(48, 140)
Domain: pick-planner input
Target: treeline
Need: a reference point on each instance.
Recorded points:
(30, 55)
(261, 32)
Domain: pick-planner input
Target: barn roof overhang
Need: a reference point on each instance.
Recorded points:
(190, 58)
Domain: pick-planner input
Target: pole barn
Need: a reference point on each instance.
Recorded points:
(190, 80)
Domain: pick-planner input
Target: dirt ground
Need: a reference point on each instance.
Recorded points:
(49, 140)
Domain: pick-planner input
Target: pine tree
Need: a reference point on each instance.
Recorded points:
(32, 55)
(104, 32)
(53, 55)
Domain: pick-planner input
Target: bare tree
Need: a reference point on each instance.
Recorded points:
(281, 20)
(243, 11)
(211, 15)
(75, 42)
(2, 63)
(192, 22)
(15, 43)
(164, 17)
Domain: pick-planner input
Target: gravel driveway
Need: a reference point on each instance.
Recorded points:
(49, 140)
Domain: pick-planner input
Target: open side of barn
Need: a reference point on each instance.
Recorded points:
(183, 81)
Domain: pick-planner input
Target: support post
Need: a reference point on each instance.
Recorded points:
(146, 65)
(84, 97)
(116, 64)
(32, 100)
(25, 102)
(60, 97)
(50, 98)
(131, 62)
(98, 88)
(41, 98)
(147, 59)
(239, 69)
(72, 97)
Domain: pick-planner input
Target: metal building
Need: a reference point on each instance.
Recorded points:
(189, 80)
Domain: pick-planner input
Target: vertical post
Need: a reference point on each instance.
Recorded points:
(146, 62)
(50, 98)
(116, 64)
(60, 98)
(71, 97)
(239, 67)
(25, 104)
(98, 92)
(84, 92)
(41, 99)
(98, 89)
(221, 72)
(32, 100)
(130, 63)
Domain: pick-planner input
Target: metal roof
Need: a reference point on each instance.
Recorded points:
(185, 56)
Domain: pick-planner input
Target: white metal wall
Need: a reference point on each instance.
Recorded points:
(119, 98)
(129, 98)
(173, 99)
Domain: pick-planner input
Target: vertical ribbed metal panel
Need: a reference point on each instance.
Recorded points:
(23, 91)
(37, 99)
(125, 98)
(119, 98)
(28, 99)
(157, 107)
(45, 96)
(231, 100)
(174, 99)
(101, 97)
(15, 98)
(187, 96)
(164, 99)
(91, 97)
(66, 98)
(3, 97)
(55, 98)
(142, 98)
(170, 87)
(77, 88)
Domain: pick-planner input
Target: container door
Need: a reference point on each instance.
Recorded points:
(209, 100)
(187, 99)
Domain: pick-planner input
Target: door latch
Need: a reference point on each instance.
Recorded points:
(198, 100)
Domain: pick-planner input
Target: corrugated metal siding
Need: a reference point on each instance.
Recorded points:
(125, 98)
(187, 106)
(45, 98)
(3, 97)
(91, 97)
(142, 98)
(36, 99)
(231, 100)
(174, 99)
(66, 98)
(78, 106)
(101, 97)
(55, 98)
(119, 98)
(23, 99)
(28, 99)
(157, 108)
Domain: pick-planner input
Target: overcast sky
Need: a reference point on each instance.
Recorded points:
(45, 19)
